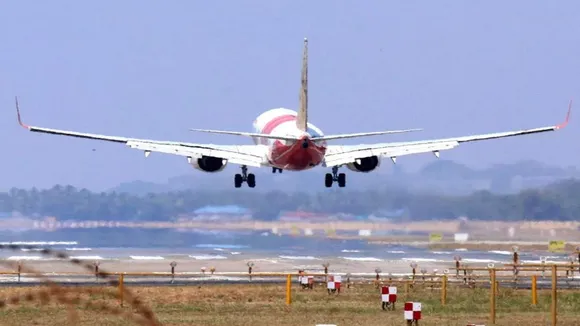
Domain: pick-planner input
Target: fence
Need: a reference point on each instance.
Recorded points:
(528, 276)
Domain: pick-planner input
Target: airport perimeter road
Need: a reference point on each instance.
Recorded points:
(542, 283)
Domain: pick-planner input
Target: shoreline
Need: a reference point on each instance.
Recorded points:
(484, 229)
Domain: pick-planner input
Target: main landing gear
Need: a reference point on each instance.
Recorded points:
(276, 169)
(250, 178)
(335, 176)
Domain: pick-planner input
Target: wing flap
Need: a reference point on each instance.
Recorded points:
(195, 152)
(346, 156)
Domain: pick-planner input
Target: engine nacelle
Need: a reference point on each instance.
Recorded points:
(209, 164)
(366, 164)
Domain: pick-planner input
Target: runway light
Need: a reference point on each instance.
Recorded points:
(250, 266)
(516, 258)
(96, 263)
(413, 268)
(19, 269)
(457, 260)
(173, 264)
(326, 265)
(348, 280)
(378, 277)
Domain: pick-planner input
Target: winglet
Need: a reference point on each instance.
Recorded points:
(565, 123)
(18, 114)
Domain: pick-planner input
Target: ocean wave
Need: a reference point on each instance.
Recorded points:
(423, 260)
(349, 250)
(266, 260)
(362, 258)
(207, 257)
(222, 246)
(40, 243)
(396, 252)
(87, 257)
(78, 249)
(299, 257)
(28, 258)
(501, 252)
(146, 257)
(477, 260)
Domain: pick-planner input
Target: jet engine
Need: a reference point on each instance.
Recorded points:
(209, 164)
(366, 164)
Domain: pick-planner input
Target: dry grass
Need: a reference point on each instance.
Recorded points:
(255, 304)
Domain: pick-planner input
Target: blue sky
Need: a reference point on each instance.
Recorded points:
(155, 69)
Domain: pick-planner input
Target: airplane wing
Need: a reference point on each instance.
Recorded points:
(250, 155)
(340, 155)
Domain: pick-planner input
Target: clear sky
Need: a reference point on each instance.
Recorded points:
(156, 68)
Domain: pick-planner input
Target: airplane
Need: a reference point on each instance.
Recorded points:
(284, 139)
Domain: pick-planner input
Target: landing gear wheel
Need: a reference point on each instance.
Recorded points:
(251, 180)
(328, 180)
(245, 177)
(341, 180)
(335, 176)
(238, 180)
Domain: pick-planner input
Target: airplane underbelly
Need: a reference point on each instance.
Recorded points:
(295, 157)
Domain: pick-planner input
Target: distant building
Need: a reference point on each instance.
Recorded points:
(216, 213)
(388, 215)
(304, 216)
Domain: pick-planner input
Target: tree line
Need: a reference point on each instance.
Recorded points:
(558, 201)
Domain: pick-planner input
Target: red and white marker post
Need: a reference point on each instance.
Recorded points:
(333, 284)
(412, 313)
(389, 297)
